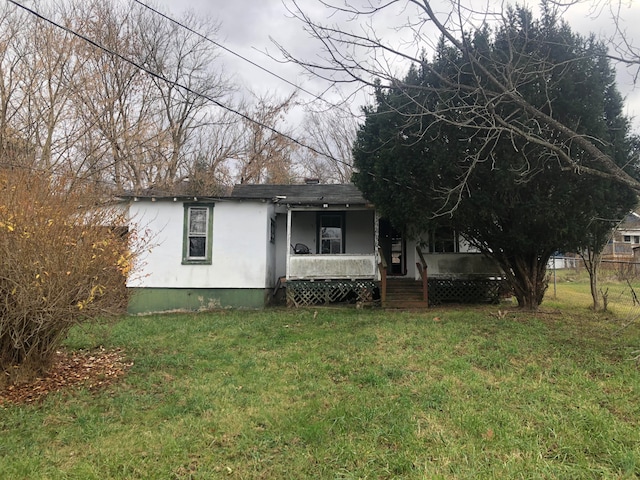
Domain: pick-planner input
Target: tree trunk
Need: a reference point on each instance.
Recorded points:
(593, 282)
(527, 276)
(591, 261)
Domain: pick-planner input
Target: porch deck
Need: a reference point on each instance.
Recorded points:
(401, 293)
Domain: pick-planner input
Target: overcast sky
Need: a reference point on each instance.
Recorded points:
(246, 27)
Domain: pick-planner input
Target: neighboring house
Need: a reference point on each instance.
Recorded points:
(563, 261)
(624, 243)
(318, 243)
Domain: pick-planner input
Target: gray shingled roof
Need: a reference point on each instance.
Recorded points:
(306, 194)
(631, 221)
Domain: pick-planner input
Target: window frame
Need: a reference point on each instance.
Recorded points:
(320, 216)
(437, 240)
(187, 234)
(272, 230)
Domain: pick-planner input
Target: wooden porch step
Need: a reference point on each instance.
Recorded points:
(404, 293)
(408, 290)
(400, 304)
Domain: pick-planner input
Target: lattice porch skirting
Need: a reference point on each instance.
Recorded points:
(466, 290)
(302, 293)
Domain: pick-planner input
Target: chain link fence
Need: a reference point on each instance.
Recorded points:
(619, 283)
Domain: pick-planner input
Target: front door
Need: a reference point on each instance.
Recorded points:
(393, 247)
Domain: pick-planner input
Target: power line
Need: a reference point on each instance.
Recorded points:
(172, 83)
(185, 88)
(242, 57)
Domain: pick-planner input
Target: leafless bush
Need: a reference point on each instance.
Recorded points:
(63, 261)
(620, 271)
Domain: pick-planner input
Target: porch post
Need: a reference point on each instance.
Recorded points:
(423, 269)
(376, 237)
(381, 262)
(288, 240)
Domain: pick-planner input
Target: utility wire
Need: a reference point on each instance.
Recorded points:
(241, 57)
(185, 88)
(172, 83)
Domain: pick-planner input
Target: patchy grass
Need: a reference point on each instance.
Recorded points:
(342, 393)
(571, 290)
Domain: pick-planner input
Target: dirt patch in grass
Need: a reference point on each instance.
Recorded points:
(94, 370)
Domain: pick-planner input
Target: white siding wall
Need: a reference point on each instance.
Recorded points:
(447, 264)
(281, 245)
(271, 265)
(240, 239)
(467, 261)
(360, 232)
(303, 229)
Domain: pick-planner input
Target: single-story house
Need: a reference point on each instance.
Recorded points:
(317, 243)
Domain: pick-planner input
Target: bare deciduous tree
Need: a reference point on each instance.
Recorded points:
(620, 35)
(47, 115)
(80, 108)
(331, 133)
(112, 97)
(364, 56)
(182, 60)
(87, 111)
(13, 48)
(216, 143)
(266, 155)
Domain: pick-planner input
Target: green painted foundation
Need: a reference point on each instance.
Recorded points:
(154, 300)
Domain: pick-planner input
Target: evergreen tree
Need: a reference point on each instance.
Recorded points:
(508, 194)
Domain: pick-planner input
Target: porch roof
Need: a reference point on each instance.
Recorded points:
(306, 194)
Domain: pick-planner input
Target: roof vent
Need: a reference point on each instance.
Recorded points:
(312, 181)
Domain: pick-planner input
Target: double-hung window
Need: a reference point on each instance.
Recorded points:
(198, 230)
(331, 233)
(443, 240)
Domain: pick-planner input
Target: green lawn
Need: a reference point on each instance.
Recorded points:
(452, 392)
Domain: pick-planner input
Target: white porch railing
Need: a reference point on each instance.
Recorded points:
(322, 267)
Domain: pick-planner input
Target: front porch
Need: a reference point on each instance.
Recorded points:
(332, 255)
(367, 279)
(344, 253)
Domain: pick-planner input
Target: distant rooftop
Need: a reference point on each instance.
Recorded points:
(631, 221)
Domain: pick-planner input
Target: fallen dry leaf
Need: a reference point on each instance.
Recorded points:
(94, 370)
